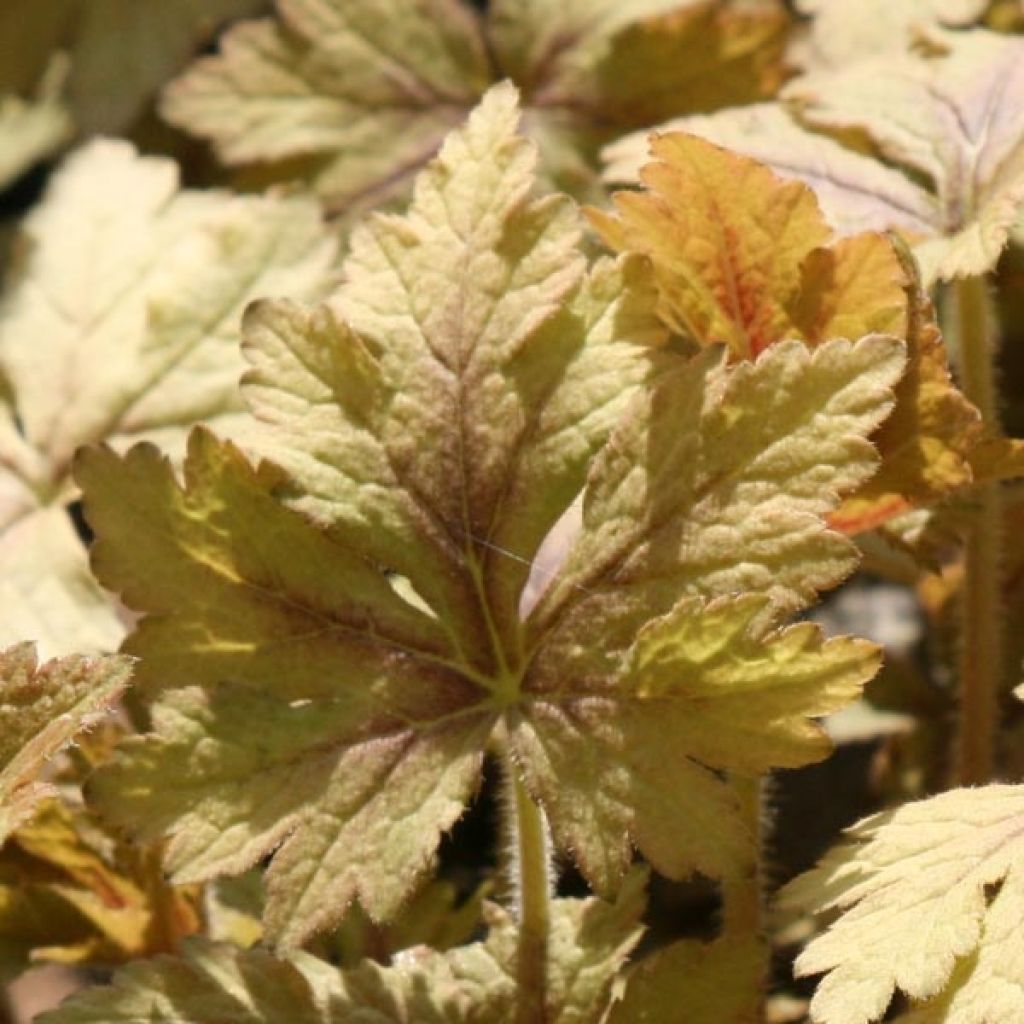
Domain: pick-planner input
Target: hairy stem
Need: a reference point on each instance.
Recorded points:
(743, 895)
(981, 648)
(530, 848)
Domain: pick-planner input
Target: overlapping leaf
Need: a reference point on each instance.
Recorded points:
(121, 322)
(70, 893)
(746, 259)
(470, 985)
(120, 51)
(357, 97)
(336, 640)
(932, 897)
(952, 121)
(42, 707)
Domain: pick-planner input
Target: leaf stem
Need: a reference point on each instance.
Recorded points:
(531, 849)
(743, 895)
(981, 641)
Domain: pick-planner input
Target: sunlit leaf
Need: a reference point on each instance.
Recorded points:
(931, 897)
(951, 121)
(120, 323)
(357, 97)
(746, 259)
(842, 33)
(334, 643)
(42, 707)
(470, 985)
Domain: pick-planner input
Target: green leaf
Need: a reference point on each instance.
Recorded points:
(42, 707)
(358, 98)
(332, 641)
(122, 323)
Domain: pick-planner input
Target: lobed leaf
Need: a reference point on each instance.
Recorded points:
(334, 640)
(930, 898)
(42, 708)
(950, 119)
(744, 258)
(470, 985)
(121, 323)
(358, 97)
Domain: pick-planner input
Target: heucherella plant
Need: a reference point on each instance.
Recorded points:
(462, 545)
(333, 638)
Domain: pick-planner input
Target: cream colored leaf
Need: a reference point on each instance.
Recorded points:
(931, 897)
(42, 707)
(841, 33)
(122, 323)
(956, 118)
(357, 98)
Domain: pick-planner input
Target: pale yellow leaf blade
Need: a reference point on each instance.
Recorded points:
(956, 118)
(122, 323)
(42, 707)
(469, 325)
(914, 887)
(368, 90)
(753, 456)
(472, 984)
(357, 99)
(841, 33)
(705, 691)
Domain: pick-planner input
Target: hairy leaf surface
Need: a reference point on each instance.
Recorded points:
(337, 637)
(42, 707)
(952, 120)
(744, 258)
(121, 323)
(358, 97)
(931, 896)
